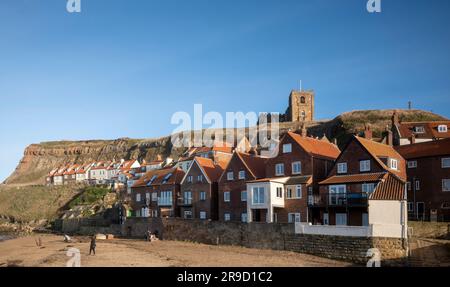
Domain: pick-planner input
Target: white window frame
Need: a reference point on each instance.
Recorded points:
(442, 128)
(227, 216)
(364, 165)
(279, 192)
(241, 174)
(258, 195)
(417, 184)
(190, 178)
(244, 195)
(230, 175)
(287, 148)
(202, 195)
(202, 215)
(344, 216)
(419, 129)
(410, 206)
(365, 187)
(279, 169)
(187, 197)
(138, 197)
(226, 196)
(408, 185)
(393, 163)
(444, 185)
(200, 178)
(412, 163)
(299, 164)
(443, 162)
(342, 167)
(244, 217)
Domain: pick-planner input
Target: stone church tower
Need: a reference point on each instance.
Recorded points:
(301, 106)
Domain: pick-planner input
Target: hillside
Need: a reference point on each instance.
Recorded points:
(39, 159)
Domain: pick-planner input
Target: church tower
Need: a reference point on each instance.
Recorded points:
(301, 106)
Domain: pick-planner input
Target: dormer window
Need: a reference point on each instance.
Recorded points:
(419, 129)
(393, 163)
(442, 128)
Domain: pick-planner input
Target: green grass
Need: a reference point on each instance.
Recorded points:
(91, 194)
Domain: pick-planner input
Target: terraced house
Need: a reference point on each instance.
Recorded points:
(155, 194)
(199, 189)
(281, 196)
(365, 187)
(232, 198)
(428, 182)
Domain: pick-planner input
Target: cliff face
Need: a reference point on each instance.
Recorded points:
(39, 159)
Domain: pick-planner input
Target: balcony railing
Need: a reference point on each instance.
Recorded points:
(339, 199)
(184, 201)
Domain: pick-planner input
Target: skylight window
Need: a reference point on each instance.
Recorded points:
(151, 180)
(166, 178)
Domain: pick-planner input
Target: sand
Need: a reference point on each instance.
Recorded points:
(24, 251)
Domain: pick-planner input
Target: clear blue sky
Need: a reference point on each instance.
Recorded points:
(121, 68)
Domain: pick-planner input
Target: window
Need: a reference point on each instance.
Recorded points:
(296, 167)
(154, 196)
(368, 187)
(419, 129)
(364, 165)
(227, 217)
(187, 214)
(200, 178)
(287, 148)
(230, 175)
(279, 169)
(202, 214)
(147, 197)
(298, 191)
(337, 194)
(393, 164)
(244, 217)
(202, 195)
(365, 219)
(289, 192)
(242, 174)
(165, 198)
(279, 192)
(226, 196)
(293, 217)
(410, 206)
(408, 185)
(258, 195)
(187, 199)
(341, 219)
(302, 100)
(189, 178)
(412, 163)
(326, 219)
(244, 195)
(446, 184)
(342, 167)
(446, 162)
(442, 128)
(138, 197)
(445, 205)
(417, 184)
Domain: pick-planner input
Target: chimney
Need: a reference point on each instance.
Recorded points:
(304, 132)
(389, 137)
(413, 139)
(394, 119)
(158, 157)
(335, 141)
(367, 132)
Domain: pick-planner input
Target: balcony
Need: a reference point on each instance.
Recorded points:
(338, 199)
(184, 201)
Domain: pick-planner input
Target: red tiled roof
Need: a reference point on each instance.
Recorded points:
(350, 178)
(406, 129)
(390, 188)
(211, 170)
(425, 149)
(316, 147)
(177, 176)
(255, 164)
(379, 150)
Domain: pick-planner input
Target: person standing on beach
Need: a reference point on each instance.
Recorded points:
(93, 245)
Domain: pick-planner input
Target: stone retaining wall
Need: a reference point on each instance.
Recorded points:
(421, 229)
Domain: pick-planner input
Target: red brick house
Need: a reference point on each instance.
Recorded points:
(365, 171)
(199, 189)
(155, 193)
(233, 185)
(294, 173)
(428, 179)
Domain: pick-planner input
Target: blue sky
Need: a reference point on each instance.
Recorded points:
(121, 68)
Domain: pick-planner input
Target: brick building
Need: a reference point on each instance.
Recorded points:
(233, 185)
(428, 175)
(365, 170)
(199, 189)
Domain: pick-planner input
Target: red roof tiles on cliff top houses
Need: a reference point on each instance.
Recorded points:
(425, 149)
(406, 129)
(158, 177)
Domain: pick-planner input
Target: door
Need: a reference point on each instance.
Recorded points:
(326, 219)
(256, 215)
(341, 219)
(420, 210)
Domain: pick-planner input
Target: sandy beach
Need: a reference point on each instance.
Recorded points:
(24, 251)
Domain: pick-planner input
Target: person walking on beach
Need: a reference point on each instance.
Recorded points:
(93, 245)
